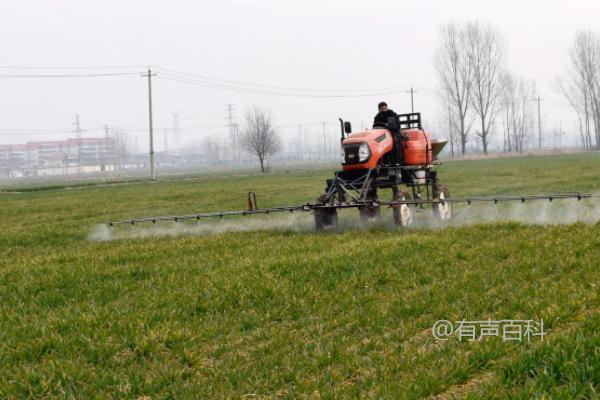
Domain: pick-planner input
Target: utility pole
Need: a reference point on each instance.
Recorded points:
(412, 99)
(539, 122)
(151, 131)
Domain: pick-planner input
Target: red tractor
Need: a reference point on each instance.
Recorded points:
(385, 157)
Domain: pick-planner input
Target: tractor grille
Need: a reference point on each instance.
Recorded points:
(351, 153)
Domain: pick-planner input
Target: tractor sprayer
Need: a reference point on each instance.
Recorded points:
(391, 165)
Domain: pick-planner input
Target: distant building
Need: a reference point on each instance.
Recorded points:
(70, 156)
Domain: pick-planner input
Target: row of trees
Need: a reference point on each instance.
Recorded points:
(477, 88)
(480, 93)
(581, 86)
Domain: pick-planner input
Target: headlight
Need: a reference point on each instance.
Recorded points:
(363, 152)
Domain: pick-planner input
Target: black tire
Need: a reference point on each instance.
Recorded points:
(325, 218)
(369, 214)
(442, 211)
(404, 214)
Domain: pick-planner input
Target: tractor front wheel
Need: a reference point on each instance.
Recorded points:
(325, 218)
(370, 214)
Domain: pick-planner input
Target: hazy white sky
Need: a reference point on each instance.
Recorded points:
(303, 44)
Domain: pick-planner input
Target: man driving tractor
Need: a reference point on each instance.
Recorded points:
(381, 119)
(388, 119)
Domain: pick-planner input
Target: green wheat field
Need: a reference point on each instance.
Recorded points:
(267, 308)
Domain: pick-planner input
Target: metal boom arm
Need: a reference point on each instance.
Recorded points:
(353, 204)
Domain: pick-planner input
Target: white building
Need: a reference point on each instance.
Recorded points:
(57, 157)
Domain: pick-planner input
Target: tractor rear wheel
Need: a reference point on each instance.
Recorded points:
(404, 214)
(442, 211)
(325, 218)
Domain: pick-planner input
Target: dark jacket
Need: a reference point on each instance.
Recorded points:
(382, 118)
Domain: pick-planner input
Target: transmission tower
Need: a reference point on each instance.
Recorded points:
(238, 141)
(78, 131)
(165, 142)
(233, 135)
(175, 127)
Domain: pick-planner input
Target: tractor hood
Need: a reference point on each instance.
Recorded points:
(354, 148)
(367, 135)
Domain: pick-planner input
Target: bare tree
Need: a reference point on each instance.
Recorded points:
(578, 100)
(451, 62)
(515, 99)
(121, 149)
(582, 87)
(211, 150)
(486, 54)
(557, 136)
(513, 113)
(260, 137)
(447, 121)
(525, 94)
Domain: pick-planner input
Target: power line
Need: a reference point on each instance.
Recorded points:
(208, 81)
(66, 75)
(265, 91)
(35, 130)
(137, 128)
(431, 96)
(210, 78)
(70, 68)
